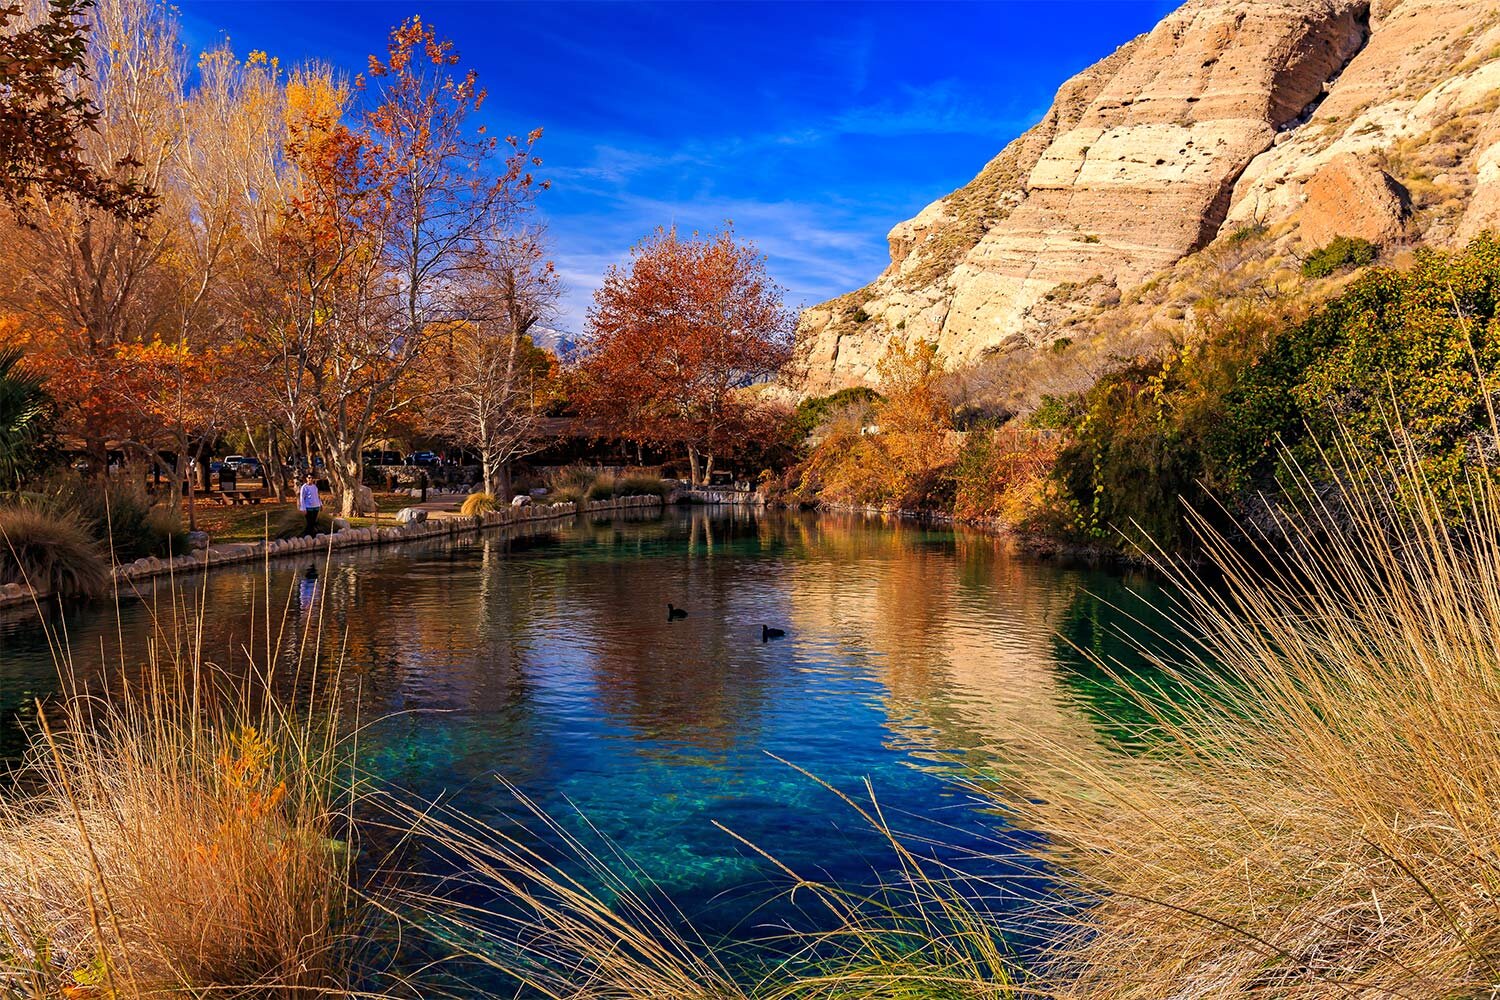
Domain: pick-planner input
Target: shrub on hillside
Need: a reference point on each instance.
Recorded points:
(1154, 433)
(478, 504)
(1343, 251)
(1416, 349)
(813, 412)
(906, 463)
(1005, 473)
(50, 551)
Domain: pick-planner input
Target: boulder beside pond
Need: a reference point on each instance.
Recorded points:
(410, 515)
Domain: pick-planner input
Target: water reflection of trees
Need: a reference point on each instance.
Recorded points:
(702, 683)
(961, 633)
(972, 647)
(1108, 641)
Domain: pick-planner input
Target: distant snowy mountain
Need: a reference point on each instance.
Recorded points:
(559, 342)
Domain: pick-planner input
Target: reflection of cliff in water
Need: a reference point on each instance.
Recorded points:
(970, 641)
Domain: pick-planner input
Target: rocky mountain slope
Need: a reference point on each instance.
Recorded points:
(1234, 138)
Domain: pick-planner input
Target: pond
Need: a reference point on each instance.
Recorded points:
(913, 655)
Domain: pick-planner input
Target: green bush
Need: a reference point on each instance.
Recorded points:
(1343, 251)
(1053, 413)
(1400, 356)
(1124, 468)
(811, 413)
(478, 504)
(1151, 434)
(50, 551)
(1414, 352)
(26, 413)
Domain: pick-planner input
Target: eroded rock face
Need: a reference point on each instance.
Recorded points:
(1229, 113)
(1353, 197)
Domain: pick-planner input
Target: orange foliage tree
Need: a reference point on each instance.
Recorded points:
(306, 237)
(905, 459)
(676, 338)
(387, 219)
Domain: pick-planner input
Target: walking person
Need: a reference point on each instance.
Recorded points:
(310, 503)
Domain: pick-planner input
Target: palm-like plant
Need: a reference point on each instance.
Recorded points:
(25, 412)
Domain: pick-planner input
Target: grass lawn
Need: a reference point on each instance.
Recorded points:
(248, 522)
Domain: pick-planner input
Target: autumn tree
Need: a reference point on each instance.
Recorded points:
(377, 240)
(45, 115)
(293, 125)
(676, 337)
(488, 374)
(897, 452)
(89, 283)
(197, 389)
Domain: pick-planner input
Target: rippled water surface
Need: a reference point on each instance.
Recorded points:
(912, 655)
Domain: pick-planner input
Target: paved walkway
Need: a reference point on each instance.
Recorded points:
(440, 506)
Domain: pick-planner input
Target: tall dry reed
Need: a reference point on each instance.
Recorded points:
(179, 832)
(1321, 814)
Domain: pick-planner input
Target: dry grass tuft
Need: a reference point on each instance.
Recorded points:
(478, 504)
(588, 932)
(176, 839)
(51, 552)
(1322, 815)
(594, 928)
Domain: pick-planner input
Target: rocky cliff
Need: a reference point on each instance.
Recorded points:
(1234, 137)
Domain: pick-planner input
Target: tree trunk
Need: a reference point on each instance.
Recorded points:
(693, 466)
(278, 474)
(487, 470)
(708, 470)
(342, 461)
(504, 494)
(181, 475)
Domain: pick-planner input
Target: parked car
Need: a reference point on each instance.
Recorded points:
(243, 465)
(298, 463)
(381, 458)
(426, 458)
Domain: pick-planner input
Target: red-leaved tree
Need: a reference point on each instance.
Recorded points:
(677, 338)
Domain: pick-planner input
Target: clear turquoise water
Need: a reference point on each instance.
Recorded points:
(913, 655)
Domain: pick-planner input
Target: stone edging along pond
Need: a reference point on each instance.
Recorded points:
(453, 527)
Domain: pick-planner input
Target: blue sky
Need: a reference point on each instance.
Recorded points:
(815, 127)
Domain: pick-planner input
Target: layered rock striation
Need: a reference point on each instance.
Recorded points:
(1318, 117)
